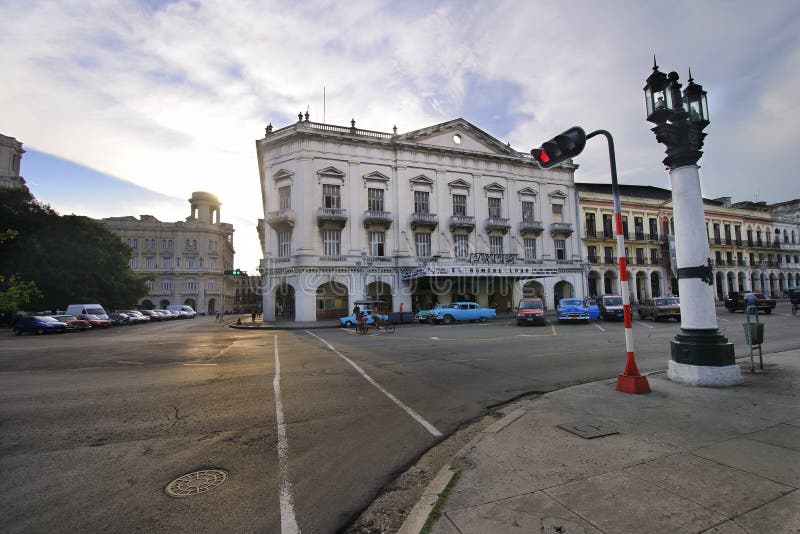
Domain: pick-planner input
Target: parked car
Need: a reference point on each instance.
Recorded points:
(592, 307)
(119, 319)
(87, 309)
(611, 307)
(462, 311)
(165, 315)
(94, 320)
(39, 324)
(423, 316)
(660, 308)
(366, 308)
(154, 316)
(190, 313)
(136, 316)
(737, 301)
(571, 310)
(530, 310)
(73, 323)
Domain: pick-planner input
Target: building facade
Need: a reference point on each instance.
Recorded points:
(754, 246)
(435, 215)
(186, 259)
(10, 163)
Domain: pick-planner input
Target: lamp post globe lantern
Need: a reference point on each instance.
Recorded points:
(699, 354)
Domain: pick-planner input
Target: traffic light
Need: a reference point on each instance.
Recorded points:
(234, 272)
(560, 148)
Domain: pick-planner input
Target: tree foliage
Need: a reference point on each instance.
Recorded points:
(70, 258)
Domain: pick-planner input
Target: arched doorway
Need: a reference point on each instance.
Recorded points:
(609, 283)
(563, 290)
(212, 306)
(147, 304)
(380, 291)
(781, 283)
(740, 282)
(191, 303)
(533, 289)
(772, 285)
(594, 283)
(655, 284)
(641, 286)
(718, 277)
(163, 304)
(731, 282)
(332, 301)
(284, 301)
(754, 282)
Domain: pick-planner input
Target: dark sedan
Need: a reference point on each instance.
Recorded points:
(660, 308)
(39, 324)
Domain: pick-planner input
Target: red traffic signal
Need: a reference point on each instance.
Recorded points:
(560, 148)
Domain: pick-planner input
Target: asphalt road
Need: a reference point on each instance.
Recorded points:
(95, 425)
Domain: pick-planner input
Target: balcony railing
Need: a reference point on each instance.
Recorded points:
(430, 220)
(737, 242)
(610, 260)
(531, 227)
(333, 258)
(281, 217)
(464, 222)
(497, 223)
(375, 217)
(561, 229)
(717, 240)
(641, 261)
(594, 259)
(653, 237)
(336, 216)
(638, 236)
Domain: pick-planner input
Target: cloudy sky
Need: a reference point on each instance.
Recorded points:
(125, 108)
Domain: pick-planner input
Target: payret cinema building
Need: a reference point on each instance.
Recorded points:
(436, 215)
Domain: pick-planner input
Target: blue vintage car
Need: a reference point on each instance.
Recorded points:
(461, 311)
(571, 310)
(592, 307)
(366, 307)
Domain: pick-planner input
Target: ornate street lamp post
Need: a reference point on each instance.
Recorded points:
(700, 355)
(364, 264)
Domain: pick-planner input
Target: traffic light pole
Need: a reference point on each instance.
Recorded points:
(630, 381)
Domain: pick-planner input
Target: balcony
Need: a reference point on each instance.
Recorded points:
(638, 235)
(531, 227)
(641, 260)
(377, 218)
(594, 259)
(561, 229)
(332, 217)
(337, 259)
(462, 222)
(281, 218)
(426, 220)
(738, 242)
(609, 260)
(653, 237)
(500, 224)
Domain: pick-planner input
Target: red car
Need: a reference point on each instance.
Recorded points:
(77, 324)
(95, 321)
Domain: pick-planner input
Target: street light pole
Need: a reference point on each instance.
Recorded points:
(700, 355)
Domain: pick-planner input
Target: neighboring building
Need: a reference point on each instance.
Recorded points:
(186, 259)
(439, 214)
(753, 246)
(10, 162)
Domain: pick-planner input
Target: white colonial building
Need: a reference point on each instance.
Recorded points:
(185, 259)
(10, 161)
(430, 216)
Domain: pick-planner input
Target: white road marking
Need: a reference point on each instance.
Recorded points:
(418, 418)
(130, 363)
(200, 364)
(288, 521)
(781, 313)
(434, 337)
(598, 326)
(644, 324)
(721, 319)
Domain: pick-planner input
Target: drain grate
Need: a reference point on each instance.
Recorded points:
(463, 463)
(196, 483)
(588, 429)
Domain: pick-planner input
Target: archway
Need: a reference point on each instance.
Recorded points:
(718, 277)
(594, 284)
(147, 304)
(740, 282)
(754, 282)
(655, 284)
(563, 290)
(381, 291)
(533, 289)
(731, 282)
(163, 304)
(190, 303)
(212, 306)
(772, 285)
(641, 286)
(332, 301)
(781, 283)
(284, 301)
(609, 283)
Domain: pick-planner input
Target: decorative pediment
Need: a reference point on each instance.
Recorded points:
(459, 184)
(527, 192)
(495, 188)
(557, 194)
(375, 176)
(330, 174)
(458, 134)
(282, 174)
(421, 181)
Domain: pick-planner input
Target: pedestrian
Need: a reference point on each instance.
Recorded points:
(401, 313)
(218, 317)
(253, 317)
(239, 321)
(356, 311)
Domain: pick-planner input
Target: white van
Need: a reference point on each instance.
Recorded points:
(182, 308)
(89, 309)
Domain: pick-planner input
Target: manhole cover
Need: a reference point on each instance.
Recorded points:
(196, 483)
(588, 429)
(463, 463)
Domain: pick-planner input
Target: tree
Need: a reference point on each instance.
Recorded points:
(71, 258)
(14, 290)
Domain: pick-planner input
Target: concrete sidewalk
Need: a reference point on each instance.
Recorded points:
(680, 459)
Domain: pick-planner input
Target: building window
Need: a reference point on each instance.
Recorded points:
(591, 230)
(166, 284)
(558, 213)
(376, 243)
(132, 263)
(284, 244)
(285, 197)
(375, 199)
(461, 246)
(212, 246)
(422, 202)
(530, 248)
(191, 285)
(653, 228)
(166, 244)
(608, 254)
(166, 263)
(494, 208)
(149, 263)
(591, 252)
(654, 256)
(133, 243)
(528, 213)
(149, 284)
(423, 240)
(460, 205)
(190, 263)
(331, 240)
(330, 196)
(495, 244)
(561, 249)
(608, 227)
(638, 227)
(211, 285)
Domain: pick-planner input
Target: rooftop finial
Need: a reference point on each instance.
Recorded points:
(300, 117)
(394, 129)
(690, 75)
(307, 115)
(655, 67)
(268, 130)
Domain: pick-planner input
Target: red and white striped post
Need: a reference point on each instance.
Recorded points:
(630, 381)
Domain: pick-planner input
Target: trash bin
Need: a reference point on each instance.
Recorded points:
(754, 333)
